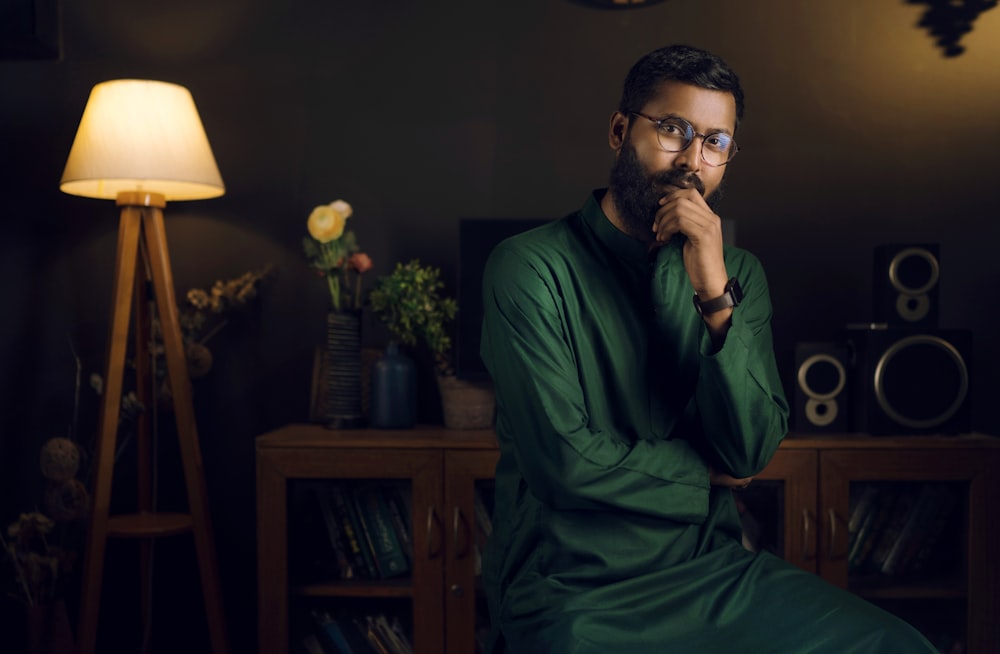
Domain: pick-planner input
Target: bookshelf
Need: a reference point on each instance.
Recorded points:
(957, 593)
(440, 467)
(802, 500)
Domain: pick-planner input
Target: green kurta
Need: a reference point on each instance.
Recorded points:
(611, 405)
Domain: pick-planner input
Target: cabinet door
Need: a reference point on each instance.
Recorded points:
(953, 596)
(786, 490)
(278, 467)
(468, 483)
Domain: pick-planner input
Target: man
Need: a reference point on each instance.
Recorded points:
(636, 387)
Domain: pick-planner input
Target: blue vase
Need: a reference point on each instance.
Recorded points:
(393, 391)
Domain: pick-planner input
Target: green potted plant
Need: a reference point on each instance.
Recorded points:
(410, 304)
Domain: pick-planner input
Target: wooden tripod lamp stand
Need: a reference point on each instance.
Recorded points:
(142, 143)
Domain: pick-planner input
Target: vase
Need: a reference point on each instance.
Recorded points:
(343, 370)
(466, 404)
(393, 390)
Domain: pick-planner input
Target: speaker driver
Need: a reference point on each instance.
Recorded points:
(906, 284)
(914, 271)
(822, 377)
(900, 375)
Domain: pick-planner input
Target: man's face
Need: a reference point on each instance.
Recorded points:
(643, 172)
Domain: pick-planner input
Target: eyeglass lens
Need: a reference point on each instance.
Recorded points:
(676, 134)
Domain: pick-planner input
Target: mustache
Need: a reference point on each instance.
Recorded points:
(680, 179)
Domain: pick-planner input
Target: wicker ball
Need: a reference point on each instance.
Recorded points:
(67, 500)
(60, 459)
(199, 360)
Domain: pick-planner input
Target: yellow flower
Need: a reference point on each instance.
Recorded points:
(326, 222)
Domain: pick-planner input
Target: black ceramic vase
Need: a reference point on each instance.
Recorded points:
(343, 375)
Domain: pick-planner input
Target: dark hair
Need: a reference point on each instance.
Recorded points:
(681, 63)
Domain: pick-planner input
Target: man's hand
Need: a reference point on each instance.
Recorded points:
(716, 478)
(684, 211)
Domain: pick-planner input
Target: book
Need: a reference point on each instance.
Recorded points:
(376, 521)
(905, 497)
(400, 519)
(862, 501)
(484, 528)
(356, 545)
(365, 626)
(892, 564)
(483, 516)
(872, 528)
(401, 636)
(334, 637)
(864, 509)
(311, 645)
(934, 521)
(334, 531)
(390, 639)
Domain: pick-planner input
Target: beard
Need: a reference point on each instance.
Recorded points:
(636, 192)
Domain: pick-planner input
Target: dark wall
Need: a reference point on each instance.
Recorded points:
(858, 131)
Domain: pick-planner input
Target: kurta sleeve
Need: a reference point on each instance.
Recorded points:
(528, 346)
(739, 393)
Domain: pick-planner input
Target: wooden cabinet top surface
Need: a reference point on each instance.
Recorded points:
(435, 436)
(867, 442)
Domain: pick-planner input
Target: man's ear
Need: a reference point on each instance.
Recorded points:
(617, 130)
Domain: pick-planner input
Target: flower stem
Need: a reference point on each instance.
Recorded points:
(334, 283)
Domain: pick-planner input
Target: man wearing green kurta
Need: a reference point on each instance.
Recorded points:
(636, 387)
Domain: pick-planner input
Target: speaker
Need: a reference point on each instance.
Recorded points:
(905, 285)
(907, 381)
(821, 377)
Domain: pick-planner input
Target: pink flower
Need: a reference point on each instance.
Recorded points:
(360, 262)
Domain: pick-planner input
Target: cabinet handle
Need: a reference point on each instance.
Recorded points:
(831, 553)
(808, 552)
(434, 528)
(460, 535)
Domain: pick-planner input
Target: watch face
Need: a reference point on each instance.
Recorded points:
(733, 287)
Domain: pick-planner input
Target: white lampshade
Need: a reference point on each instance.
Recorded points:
(141, 135)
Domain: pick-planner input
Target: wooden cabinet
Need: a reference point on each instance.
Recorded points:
(441, 466)
(815, 477)
(810, 481)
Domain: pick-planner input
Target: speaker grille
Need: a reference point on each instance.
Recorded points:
(911, 397)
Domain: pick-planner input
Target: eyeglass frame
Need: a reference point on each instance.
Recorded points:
(694, 133)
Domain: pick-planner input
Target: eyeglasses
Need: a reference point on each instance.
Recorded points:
(676, 135)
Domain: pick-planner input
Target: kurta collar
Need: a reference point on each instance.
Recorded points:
(628, 249)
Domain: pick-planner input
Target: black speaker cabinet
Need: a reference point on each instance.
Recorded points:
(908, 381)
(821, 397)
(905, 285)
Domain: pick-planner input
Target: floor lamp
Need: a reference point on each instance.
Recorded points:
(142, 143)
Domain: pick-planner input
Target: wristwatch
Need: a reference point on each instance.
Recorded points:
(731, 297)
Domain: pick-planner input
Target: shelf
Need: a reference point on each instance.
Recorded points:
(362, 588)
(149, 525)
(876, 587)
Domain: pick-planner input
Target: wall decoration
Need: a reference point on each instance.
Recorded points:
(949, 20)
(30, 29)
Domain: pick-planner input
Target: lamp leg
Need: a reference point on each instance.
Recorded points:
(187, 430)
(125, 266)
(145, 390)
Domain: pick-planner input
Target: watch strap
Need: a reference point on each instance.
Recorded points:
(731, 297)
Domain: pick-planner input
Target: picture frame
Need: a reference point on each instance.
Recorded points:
(30, 30)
